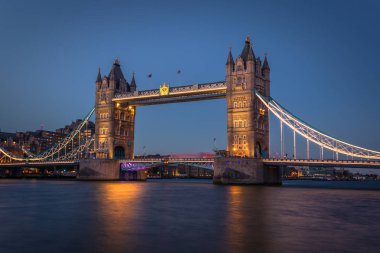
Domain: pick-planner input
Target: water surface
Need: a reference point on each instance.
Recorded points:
(188, 216)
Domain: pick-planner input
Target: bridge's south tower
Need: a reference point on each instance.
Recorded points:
(114, 123)
(247, 118)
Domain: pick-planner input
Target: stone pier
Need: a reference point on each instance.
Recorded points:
(99, 169)
(242, 170)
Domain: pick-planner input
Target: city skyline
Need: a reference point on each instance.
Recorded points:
(320, 70)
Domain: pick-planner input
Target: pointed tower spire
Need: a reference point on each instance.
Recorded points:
(247, 54)
(248, 39)
(265, 64)
(133, 86)
(133, 83)
(116, 73)
(230, 59)
(99, 77)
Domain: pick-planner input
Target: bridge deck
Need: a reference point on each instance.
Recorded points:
(177, 94)
(279, 162)
(324, 163)
(39, 164)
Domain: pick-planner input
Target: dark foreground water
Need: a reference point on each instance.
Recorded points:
(188, 216)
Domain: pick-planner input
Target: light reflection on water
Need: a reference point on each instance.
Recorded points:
(185, 216)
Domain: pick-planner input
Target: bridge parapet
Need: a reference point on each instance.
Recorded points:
(323, 163)
(163, 160)
(179, 90)
(40, 163)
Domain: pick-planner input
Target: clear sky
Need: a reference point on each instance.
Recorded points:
(324, 59)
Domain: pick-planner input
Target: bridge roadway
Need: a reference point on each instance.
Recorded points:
(40, 164)
(274, 162)
(194, 92)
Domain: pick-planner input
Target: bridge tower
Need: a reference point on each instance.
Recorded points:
(114, 123)
(247, 117)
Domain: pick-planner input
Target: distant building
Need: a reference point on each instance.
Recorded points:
(41, 140)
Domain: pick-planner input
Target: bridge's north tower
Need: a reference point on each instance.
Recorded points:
(247, 118)
(114, 128)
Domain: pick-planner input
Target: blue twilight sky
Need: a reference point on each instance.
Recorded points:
(324, 57)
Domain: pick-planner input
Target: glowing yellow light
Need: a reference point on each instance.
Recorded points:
(130, 107)
(262, 112)
(164, 89)
(117, 104)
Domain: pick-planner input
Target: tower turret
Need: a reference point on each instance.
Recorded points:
(266, 69)
(133, 85)
(116, 78)
(258, 66)
(98, 81)
(266, 75)
(230, 64)
(99, 77)
(248, 55)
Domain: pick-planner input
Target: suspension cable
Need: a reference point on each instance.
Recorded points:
(56, 148)
(314, 135)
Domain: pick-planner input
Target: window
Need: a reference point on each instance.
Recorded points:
(103, 115)
(103, 130)
(240, 123)
(240, 102)
(236, 140)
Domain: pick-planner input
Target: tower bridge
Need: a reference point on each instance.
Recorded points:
(247, 158)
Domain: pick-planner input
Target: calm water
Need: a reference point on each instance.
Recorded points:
(188, 216)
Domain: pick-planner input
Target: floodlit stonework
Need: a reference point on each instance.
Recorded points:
(114, 133)
(247, 117)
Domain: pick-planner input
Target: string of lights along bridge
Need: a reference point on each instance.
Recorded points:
(246, 89)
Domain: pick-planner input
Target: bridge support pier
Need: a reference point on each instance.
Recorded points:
(99, 169)
(245, 171)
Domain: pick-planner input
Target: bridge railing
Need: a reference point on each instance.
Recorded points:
(332, 161)
(174, 90)
(169, 160)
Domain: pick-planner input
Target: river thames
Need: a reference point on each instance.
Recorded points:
(188, 216)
